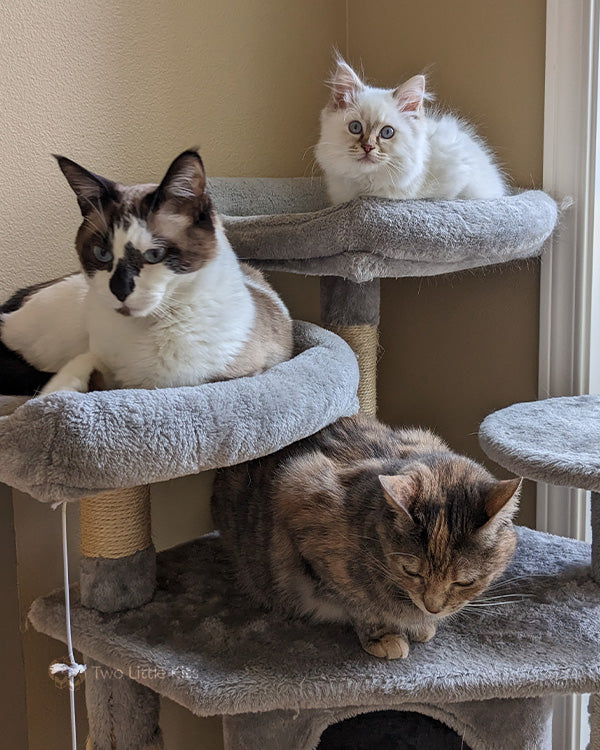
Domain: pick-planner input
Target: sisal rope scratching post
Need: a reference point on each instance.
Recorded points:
(117, 572)
(351, 310)
(364, 342)
(118, 563)
(116, 523)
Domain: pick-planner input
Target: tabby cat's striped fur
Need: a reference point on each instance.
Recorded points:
(385, 529)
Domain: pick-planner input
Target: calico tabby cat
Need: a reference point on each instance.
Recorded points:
(382, 528)
(385, 143)
(162, 300)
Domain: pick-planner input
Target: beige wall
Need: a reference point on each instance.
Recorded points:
(123, 85)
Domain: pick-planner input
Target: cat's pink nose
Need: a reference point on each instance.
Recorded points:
(367, 147)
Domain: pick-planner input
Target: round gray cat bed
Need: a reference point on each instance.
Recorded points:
(286, 224)
(68, 445)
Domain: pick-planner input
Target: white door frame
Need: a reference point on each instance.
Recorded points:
(570, 279)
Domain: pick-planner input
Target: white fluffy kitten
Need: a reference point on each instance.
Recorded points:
(162, 300)
(383, 142)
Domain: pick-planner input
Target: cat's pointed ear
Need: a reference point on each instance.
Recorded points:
(399, 491)
(185, 180)
(411, 94)
(503, 495)
(345, 84)
(92, 191)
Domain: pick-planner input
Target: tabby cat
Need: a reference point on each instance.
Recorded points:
(161, 301)
(385, 529)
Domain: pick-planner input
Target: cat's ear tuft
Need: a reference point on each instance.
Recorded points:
(92, 191)
(185, 180)
(399, 491)
(344, 84)
(503, 495)
(410, 95)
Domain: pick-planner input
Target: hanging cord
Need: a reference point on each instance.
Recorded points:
(73, 668)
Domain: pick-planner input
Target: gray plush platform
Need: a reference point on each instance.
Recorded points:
(286, 224)
(555, 440)
(201, 644)
(65, 446)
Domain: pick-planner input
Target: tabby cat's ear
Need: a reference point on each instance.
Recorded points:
(185, 180)
(399, 491)
(344, 85)
(411, 94)
(92, 191)
(504, 494)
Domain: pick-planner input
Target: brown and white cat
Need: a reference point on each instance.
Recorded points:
(162, 300)
(383, 528)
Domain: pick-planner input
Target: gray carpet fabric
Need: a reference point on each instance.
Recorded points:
(285, 224)
(68, 445)
(556, 440)
(200, 642)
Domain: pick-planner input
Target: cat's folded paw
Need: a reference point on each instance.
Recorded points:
(68, 383)
(423, 633)
(389, 646)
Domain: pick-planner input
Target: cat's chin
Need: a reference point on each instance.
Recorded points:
(128, 311)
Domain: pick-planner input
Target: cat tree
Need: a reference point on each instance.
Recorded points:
(175, 626)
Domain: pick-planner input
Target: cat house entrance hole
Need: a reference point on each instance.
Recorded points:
(391, 730)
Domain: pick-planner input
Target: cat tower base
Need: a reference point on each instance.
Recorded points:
(483, 725)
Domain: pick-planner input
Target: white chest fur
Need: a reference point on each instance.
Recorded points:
(191, 340)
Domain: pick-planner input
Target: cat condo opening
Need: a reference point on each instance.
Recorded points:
(282, 683)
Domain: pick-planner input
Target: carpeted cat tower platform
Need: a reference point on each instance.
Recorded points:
(174, 625)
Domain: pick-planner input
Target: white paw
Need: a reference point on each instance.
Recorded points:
(389, 646)
(64, 383)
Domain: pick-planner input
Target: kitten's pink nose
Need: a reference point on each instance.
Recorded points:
(367, 147)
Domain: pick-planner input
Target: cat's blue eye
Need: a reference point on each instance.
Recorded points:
(387, 131)
(154, 255)
(102, 254)
(355, 127)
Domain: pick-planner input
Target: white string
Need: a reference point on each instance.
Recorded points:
(73, 668)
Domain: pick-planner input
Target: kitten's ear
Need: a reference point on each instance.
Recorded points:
(501, 494)
(399, 491)
(344, 85)
(92, 191)
(185, 180)
(411, 94)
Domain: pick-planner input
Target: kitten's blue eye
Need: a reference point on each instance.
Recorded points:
(387, 131)
(154, 255)
(102, 254)
(355, 127)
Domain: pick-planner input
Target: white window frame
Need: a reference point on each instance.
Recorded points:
(569, 361)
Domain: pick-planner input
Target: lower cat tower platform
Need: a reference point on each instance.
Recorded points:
(281, 683)
(173, 624)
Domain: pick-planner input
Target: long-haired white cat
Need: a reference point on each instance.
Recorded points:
(162, 300)
(385, 143)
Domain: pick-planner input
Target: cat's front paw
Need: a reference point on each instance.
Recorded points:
(422, 633)
(64, 383)
(389, 646)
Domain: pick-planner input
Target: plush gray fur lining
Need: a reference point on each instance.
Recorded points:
(68, 445)
(553, 440)
(294, 230)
